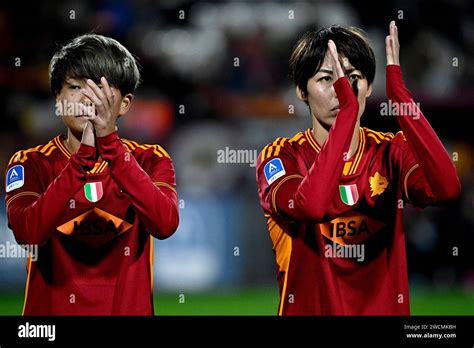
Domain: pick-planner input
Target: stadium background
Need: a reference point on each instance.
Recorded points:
(215, 76)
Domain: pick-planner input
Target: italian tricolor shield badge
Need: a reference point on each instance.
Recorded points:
(349, 194)
(93, 191)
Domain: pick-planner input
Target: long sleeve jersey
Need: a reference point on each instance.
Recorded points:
(336, 223)
(93, 221)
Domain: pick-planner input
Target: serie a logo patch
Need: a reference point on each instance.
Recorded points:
(15, 178)
(274, 170)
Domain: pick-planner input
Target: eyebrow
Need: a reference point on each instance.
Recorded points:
(325, 71)
(351, 70)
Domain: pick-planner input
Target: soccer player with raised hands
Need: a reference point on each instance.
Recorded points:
(333, 195)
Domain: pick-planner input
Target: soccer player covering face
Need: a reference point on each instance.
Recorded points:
(90, 200)
(333, 195)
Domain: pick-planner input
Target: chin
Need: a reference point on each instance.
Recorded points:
(76, 127)
(327, 122)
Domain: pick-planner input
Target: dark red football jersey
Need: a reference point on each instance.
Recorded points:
(336, 223)
(94, 227)
(313, 279)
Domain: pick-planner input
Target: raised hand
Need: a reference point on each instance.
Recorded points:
(392, 46)
(106, 115)
(334, 56)
(88, 136)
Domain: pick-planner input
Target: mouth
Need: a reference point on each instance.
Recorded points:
(335, 108)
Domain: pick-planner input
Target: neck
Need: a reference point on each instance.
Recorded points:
(72, 142)
(321, 134)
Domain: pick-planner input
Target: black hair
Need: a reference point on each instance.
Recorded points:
(308, 53)
(93, 56)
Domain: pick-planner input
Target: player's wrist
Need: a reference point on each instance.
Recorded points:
(344, 92)
(393, 68)
(110, 146)
(103, 132)
(394, 84)
(85, 156)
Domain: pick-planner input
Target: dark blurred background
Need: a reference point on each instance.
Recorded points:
(215, 76)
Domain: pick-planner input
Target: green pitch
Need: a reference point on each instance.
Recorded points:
(264, 301)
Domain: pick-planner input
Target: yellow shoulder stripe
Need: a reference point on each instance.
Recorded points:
(157, 149)
(21, 155)
(127, 145)
(267, 150)
(379, 135)
(373, 136)
(297, 137)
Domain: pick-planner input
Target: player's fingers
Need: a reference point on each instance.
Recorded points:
(98, 92)
(388, 50)
(335, 59)
(88, 129)
(87, 110)
(88, 134)
(393, 36)
(333, 50)
(107, 90)
(89, 92)
(396, 45)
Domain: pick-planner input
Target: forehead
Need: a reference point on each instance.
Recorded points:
(327, 62)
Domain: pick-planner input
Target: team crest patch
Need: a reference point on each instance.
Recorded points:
(93, 191)
(349, 194)
(15, 178)
(378, 184)
(274, 170)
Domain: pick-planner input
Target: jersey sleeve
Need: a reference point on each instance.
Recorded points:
(277, 165)
(286, 189)
(153, 192)
(414, 186)
(34, 208)
(424, 156)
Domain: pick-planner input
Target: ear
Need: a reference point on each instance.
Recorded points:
(301, 95)
(369, 91)
(125, 104)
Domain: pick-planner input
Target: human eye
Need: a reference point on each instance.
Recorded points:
(73, 87)
(354, 77)
(325, 78)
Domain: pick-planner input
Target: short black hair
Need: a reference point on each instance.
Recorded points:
(93, 56)
(308, 53)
